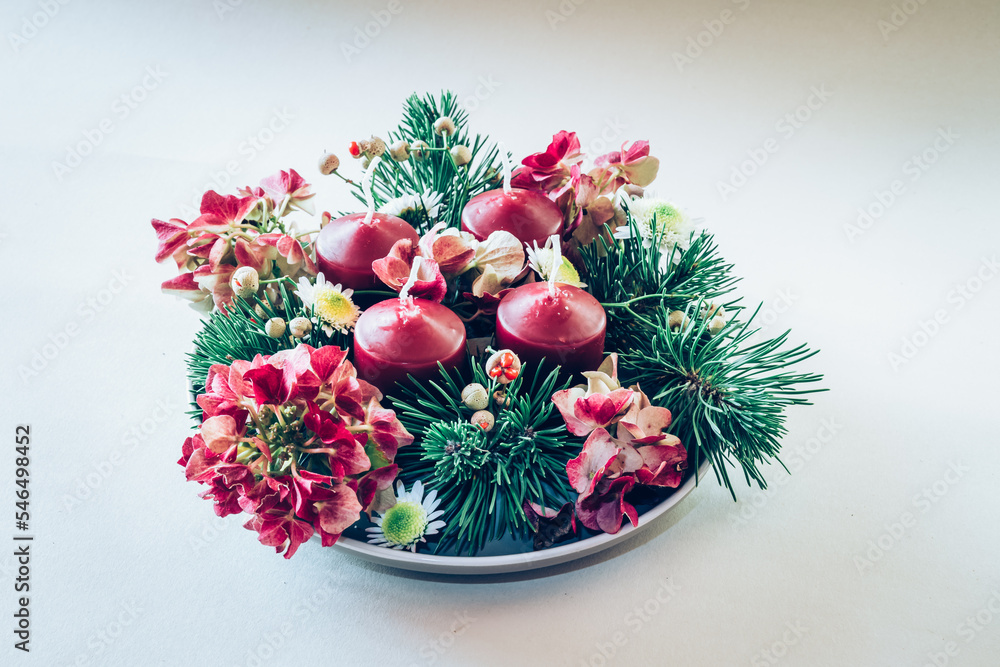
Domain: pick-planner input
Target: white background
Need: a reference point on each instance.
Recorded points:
(141, 557)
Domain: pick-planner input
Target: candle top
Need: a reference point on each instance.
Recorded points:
(527, 214)
(349, 242)
(410, 331)
(531, 313)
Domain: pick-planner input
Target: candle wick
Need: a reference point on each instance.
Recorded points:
(556, 263)
(366, 187)
(404, 293)
(507, 169)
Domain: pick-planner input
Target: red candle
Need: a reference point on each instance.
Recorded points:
(346, 247)
(404, 336)
(565, 328)
(527, 214)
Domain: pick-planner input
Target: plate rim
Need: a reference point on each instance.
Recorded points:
(519, 562)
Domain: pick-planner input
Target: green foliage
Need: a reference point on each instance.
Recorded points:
(727, 394)
(238, 333)
(484, 478)
(437, 172)
(627, 278)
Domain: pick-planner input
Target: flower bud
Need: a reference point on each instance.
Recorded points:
(710, 309)
(418, 150)
(475, 396)
(400, 151)
(461, 155)
(444, 126)
(245, 282)
(716, 324)
(328, 164)
(483, 419)
(275, 327)
(300, 327)
(678, 320)
(633, 190)
(376, 147)
(501, 398)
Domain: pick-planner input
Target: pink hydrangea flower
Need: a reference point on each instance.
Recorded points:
(233, 231)
(598, 404)
(394, 270)
(295, 407)
(632, 165)
(288, 190)
(550, 169)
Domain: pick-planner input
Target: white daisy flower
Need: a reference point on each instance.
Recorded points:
(540, 261)
(409, 521)
(429, 202)
(331, 305)
(672, 227)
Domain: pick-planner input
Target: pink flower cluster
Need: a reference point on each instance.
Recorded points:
(641, 452)
(586, 198)
(297, 441)
(234, 231)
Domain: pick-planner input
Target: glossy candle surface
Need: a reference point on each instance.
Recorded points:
(527, 214)
(397, 337)
(567, 328)
(347, 247)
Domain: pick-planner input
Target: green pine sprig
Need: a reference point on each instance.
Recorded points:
(484, 478)
(437, 171)
(238, 333)
(727, 394)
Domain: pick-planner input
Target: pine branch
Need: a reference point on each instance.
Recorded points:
(437, 172)
(238, 333)
(484, 478)
(727, 395)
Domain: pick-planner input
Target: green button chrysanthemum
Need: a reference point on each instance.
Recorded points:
(409, 521)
